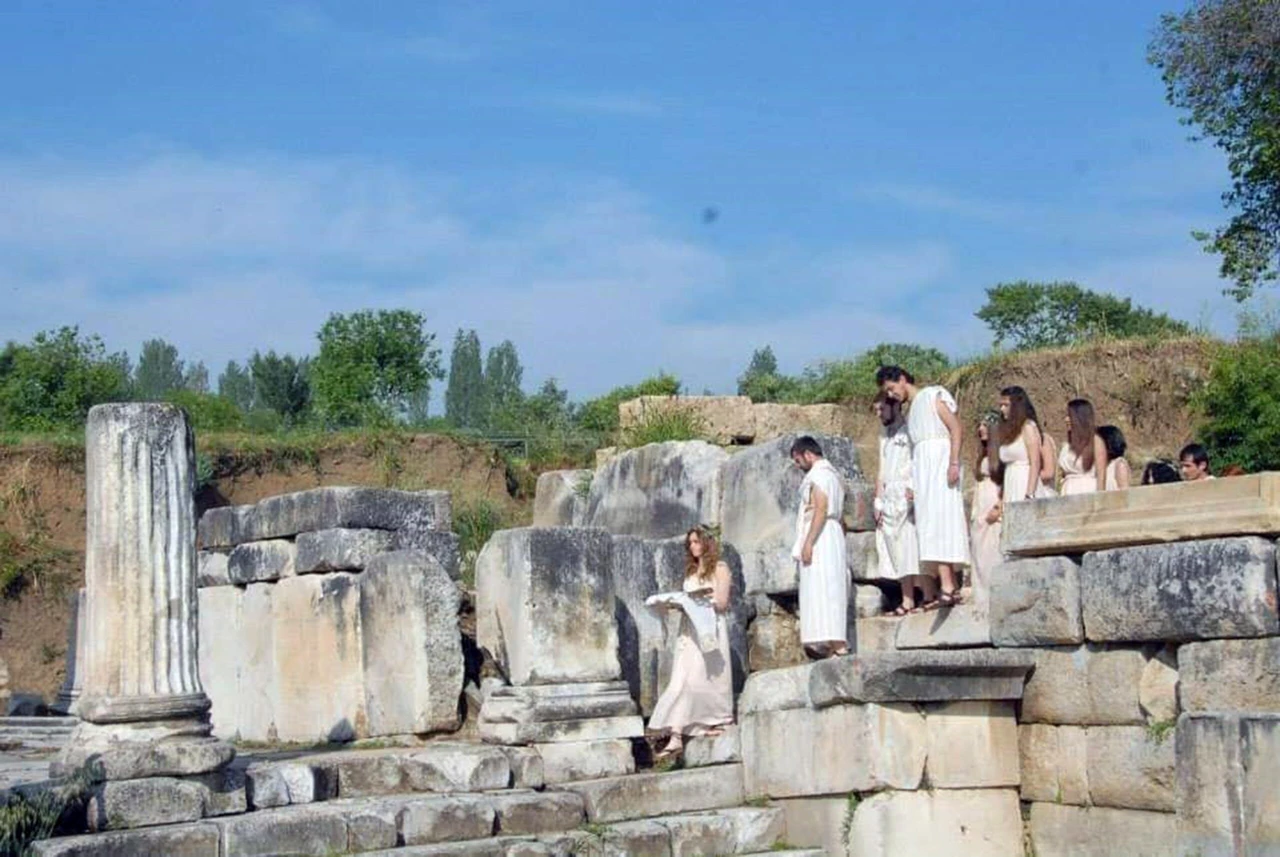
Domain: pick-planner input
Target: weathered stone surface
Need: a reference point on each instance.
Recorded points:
(275, 784)
(221, 620)
(411, 647)
(638, 571)
(866, 601)
(1228, 767)
(557, 702)
(773, 639)
(446, 819)
(972, 745)
(153, 748)
(816, 822)
(1130, 768)
(553, 731)
(312, 829)
(527, 770)
(325, 509)
(700, 834)
(945, 823)
(1157, 513)
(545, 605)
(571, 761)
(1036, 602)
(872, 636)
(964, 626)
(254, 562)
(654, 794)
(143, 803)
(1075, 831)
(258, 681)
(179, 840)
(658, 491)
(225, 791)
(1184, 591)
(801, 751)
(1158, 689)
(317, 657)
(1053, 763)
(211, 569)
(920, 676)
(775, 690)
(339, 549)
(438, 767)
(724, 419)
(560, 499)
(761, 490)
(721, 749)
(538, 812)
(438, 544)
(1086, 685)
(861, 556)
(1230, 675)
(68, 696)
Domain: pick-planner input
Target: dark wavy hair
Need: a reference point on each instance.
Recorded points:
(1080, 435)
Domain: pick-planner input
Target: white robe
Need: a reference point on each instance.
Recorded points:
(941, 526)
(824, 583)
(897, 550)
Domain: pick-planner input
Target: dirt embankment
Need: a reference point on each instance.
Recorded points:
(42, 514)
(1142, 387)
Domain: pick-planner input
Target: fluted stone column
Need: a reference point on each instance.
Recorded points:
(143, 709)
(69, 693)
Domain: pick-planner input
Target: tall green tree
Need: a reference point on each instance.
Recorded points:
(195, 377)
(464, 398)
(503, 376)
(159, 371)
(1240, 405)
(761, 380)
(1039, 315)
(235, 384)
(372, 364)
(1220, 61)
(51, 382)
(281, 383)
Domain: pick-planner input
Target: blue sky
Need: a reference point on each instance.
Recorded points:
(225, 174)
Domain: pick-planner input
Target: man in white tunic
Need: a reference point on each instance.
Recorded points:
(819, 551)
(941, 526)
(897, 551)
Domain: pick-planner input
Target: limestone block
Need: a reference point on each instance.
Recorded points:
(769, 570)
(947, 823)
(761, 490)
(339, 549)
(816, 822)
(860, 554)
(868, 601)
(755, 829)
(920, 676)
(700, 834)
(257, 698)
(775, 690)
(1184, 591)
(638, 572)
(1076, 831)
(411, 646)
(1228, 768)
(721, 749)
(1155, 514)
(773, 419)
(653, 794)
(972, 745)
(311, 829)
(1085, 685)
(527, 770)
(437, 767)
(220, 620)
(557, 702)
(1158, 689)
(537, 812)
(327, 508)
(1053, 761)
(225, 791)
(178, 840)
(570, 761)
(872, 636)
(724, 419)
(211, 569)
(964, 626)
(545, 605)
(273, 784)
(537, 732)
(803, 751)
(658, 491)
(1230, 675)
(144, 802)
(254, 562)
(1036, 602)
(318, 658)
(446, 819)
(773, 641)
(1130, 768)
(560, 498)
(437, 544)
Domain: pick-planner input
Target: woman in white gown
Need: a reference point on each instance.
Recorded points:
(985, 525)
(1118, 474)
(698, 699)
(1020, 447)
(1084, 459)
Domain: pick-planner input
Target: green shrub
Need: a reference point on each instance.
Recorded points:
(29, 815)
(600, 415)
(475, 522)
(663, 424)
(208, 412)
(1240, 405)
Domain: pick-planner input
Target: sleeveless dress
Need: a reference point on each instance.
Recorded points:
(941, 525)
(700, 691)
(1112, 483)
(897, 545)
(1017, 467)
(1049, 456)
(985, 535)
(1075, 479)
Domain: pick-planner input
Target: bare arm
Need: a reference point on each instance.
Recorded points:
(819, 502)
(1123, 474)
(723, 583)
(955, 432)
(1100, 462)
(1031, 437)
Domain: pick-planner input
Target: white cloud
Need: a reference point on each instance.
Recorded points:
(607, 104)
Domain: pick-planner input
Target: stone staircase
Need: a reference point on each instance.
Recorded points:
(446, 798)
(35, 733)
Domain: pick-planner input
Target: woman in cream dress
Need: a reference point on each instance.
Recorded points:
(698, 699)
(1084, 459)
(985, 525)
(1118, 475)
(1020, 448)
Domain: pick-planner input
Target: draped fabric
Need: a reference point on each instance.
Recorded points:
(941, 526)
(824, 583)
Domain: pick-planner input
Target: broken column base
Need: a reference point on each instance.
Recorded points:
(554, 713)
(157, 748)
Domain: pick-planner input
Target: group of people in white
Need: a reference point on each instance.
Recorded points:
(924, 539)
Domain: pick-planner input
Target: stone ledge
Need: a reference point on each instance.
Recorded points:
(1149, 514)
(920, 676)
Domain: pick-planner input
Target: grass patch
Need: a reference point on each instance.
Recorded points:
(1159, 731)
(475, 522)
(32, 814)
(666, 424)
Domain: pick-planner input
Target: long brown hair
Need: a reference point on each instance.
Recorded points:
(1080, 435)
(705, 568)
(1020, 410)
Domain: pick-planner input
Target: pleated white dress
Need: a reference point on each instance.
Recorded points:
(824, 583)
(941, 526)
(897, 545)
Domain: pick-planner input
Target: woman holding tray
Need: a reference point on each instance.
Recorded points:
(698, 699)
